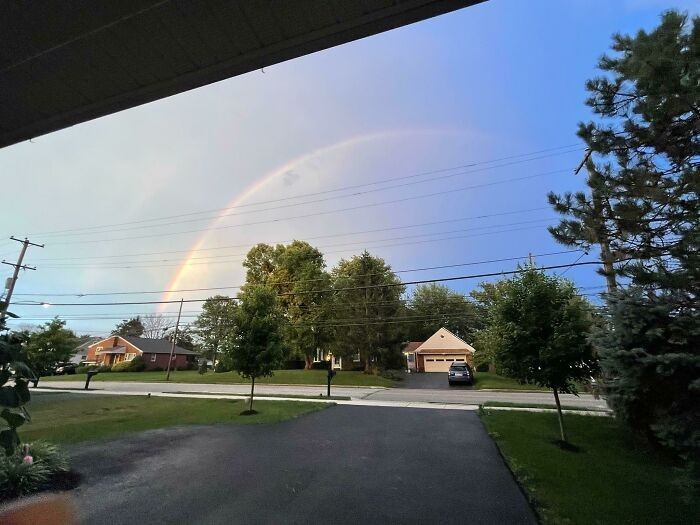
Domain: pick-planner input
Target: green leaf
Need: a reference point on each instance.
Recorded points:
(13, 419)
(9, 397)
(9, 440)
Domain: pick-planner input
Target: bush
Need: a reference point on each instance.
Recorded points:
(202, 368)
(293, 364)
(82, 369)
(321, 365)
(137, 364)
(394, 375)
(104, 368)
(18, 478)
(192, 365)
(222, 366)
(49, 455)
(482, 367)
(124, 366)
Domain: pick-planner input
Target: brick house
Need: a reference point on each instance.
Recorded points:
(156, 352)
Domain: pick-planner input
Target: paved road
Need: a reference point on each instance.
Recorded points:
(456, 395)
(341, 465)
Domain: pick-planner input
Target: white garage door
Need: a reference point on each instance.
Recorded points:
(441, 363)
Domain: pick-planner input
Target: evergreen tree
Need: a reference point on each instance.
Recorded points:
(129, 327)
(644, 182)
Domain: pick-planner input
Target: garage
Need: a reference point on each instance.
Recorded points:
(441, 363)
(441, 350)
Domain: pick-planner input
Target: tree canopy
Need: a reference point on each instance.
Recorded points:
(433, 306)
(51, 344)
(133, 327)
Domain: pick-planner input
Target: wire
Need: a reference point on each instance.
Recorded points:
(351, 245)
(321, 213)
(312, 194)
(334, 290)
(331, 235)
(238, 286)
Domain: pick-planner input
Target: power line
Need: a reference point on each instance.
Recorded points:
(321, 213)
(334, 290)
(325, 236)
(323, 192)
(351, 245)
(238, 286)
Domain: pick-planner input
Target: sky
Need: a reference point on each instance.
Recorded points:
(433, 144)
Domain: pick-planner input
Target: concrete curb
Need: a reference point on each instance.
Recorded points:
(600, 413)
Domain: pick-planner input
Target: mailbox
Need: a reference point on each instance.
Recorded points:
(90, 374)
(331, 373)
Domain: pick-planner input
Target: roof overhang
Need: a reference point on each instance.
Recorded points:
(63, 63)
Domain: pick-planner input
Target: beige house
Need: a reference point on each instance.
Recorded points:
(437, 353)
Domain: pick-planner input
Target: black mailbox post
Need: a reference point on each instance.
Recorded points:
(331, 373)
(90, 374)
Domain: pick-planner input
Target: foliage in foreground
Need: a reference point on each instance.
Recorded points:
(30, 468)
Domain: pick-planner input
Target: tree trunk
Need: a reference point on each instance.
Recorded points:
(252, 390)
(308, 362)
(560, 415)
(213, 358)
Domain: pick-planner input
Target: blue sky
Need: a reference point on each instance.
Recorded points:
(495, 80)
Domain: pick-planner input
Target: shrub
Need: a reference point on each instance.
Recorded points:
(104, 368)
(222, 366)
(18, 478)
(482, 367)
(321, 365)
(394, 375)
(124, 366)
(82, 369)
(49, 455)
(192, 365)
(202, 368)
(137, 364)
(293, 364)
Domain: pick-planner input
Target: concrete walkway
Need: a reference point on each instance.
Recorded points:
(377, 395)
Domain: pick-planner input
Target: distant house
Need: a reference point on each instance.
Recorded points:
(409, 352)
(80, 352)
(155, 352)
(440, 350)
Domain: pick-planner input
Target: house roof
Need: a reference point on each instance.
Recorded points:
(148, 346)
(155, 346)
(444, 341)
(412, 346)
(88, 342)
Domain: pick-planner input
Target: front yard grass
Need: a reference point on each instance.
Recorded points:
(282, 377)
(71, 418)
(488, 380)
(612, 479)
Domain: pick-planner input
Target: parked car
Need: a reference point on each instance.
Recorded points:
(65, 369)
(460, 373)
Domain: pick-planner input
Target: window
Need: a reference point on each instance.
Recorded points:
(129, 357)
(411, 358)
(153, 358)
(356, 358)
(173, 357)
(318, 356)
(98, 349)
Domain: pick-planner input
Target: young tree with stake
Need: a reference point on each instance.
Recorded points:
(255, 345)
(543, 326)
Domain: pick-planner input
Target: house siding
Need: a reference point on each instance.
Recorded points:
(106, 344)
(161, 361)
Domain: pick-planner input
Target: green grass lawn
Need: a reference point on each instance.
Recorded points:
(612, 479)
(483, 380)
(289, 377)
(71, 418)
(540, 405)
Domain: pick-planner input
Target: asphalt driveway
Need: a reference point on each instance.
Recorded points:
(344, 464)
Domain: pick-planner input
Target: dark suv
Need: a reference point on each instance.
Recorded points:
(460, 373)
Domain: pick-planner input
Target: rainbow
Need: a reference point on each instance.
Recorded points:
(182, 272)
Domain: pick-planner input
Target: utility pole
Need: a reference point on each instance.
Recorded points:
(18, 266)
(172, 346)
